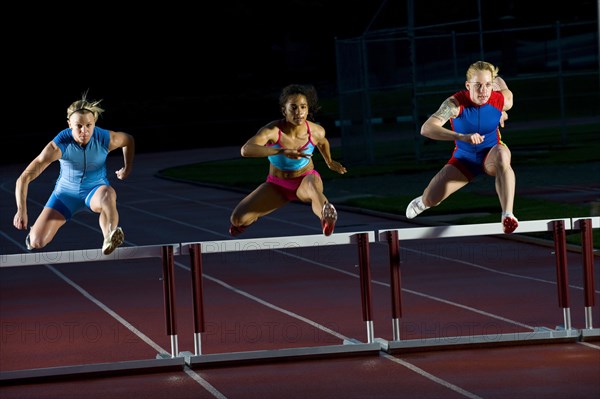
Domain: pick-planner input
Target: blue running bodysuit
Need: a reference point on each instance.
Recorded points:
(82, 171)
(483, 119)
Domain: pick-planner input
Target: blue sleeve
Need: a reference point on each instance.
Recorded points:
(103, 136)
(63, 139)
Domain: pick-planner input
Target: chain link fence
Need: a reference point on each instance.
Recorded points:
(390, 81)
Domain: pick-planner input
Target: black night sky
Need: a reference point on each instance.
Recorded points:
(182, 64)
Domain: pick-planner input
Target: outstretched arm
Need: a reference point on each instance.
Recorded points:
(324, 148)
(434, 129)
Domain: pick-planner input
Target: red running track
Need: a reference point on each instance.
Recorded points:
(112, 312)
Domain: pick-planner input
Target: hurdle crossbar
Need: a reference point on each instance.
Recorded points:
(274, 243)
(83, 255)
(420, 233)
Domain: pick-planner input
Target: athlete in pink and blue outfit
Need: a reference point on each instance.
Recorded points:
(82, 149)
(475, 115)
(289, 144)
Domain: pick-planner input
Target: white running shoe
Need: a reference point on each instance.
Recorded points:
(415, 207)
(328, 219)
(114, 239)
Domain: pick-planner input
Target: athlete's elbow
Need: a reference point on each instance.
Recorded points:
(245, 151)
(426, 130)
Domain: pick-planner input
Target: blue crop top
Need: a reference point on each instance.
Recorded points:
(282, 162)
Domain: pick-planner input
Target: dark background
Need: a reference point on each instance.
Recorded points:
(194, 74)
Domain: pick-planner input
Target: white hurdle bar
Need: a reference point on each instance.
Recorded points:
(82, 255)
(450, 231)
(162, 362)
(197, 249)
(394, 236)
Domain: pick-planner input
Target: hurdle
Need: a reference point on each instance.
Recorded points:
(160, 363)
(349, 347)
(540, 334)
(586, 225)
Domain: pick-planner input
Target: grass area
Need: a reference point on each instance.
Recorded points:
(539, 146)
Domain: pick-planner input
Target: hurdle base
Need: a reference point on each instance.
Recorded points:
(590, 334)
(89, 370)
(166, 356)
(349, 348)
(539, 335)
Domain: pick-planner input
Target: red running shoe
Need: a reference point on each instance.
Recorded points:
(328, 219)
(509, 223)
(236, 230)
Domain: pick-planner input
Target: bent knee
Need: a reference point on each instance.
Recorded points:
(239, 220)
(37, 242)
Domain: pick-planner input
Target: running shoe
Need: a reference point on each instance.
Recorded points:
(114, 239)
(415, 207)
(236, 230)
(328, 219)
(28, 243)
(509, 223)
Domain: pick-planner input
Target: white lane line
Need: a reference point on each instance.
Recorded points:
(108, 310)
(270, 305)
(488, 268)
(432, 377)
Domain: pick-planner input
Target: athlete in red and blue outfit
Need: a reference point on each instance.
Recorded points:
(475, 115)
(289, 144)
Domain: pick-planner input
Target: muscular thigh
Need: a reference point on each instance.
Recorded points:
(48, 222)
(263, 200)
(311, 185)
(447, 181)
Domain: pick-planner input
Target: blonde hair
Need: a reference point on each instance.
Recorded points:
(84, 106)
(481, 66)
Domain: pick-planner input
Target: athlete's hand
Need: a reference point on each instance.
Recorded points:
(123, 173)
(474, 138)
(503, 118)
(295, 154)
(20, 220)
(337, 167)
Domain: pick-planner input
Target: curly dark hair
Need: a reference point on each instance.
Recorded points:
(307, 91)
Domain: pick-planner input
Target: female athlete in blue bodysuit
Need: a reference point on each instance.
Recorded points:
(288, 144)
(475, 115)
(81, 149)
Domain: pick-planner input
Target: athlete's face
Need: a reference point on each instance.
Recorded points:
(480, 87)
(296, 109)
(82, 125)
